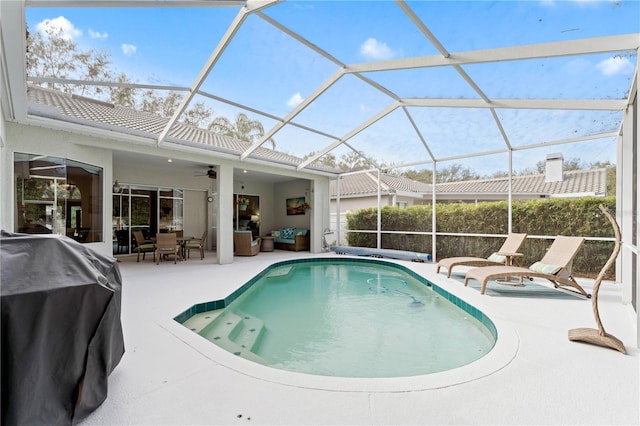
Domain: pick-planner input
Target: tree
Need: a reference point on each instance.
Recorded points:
(453, 173)
(327, 160)
(420, 176)
(353, 162)
(124, 96)
(52, 54)
(242, 128)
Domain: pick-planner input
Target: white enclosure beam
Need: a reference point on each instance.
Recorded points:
(297, 110)
(12, 70)
(556, 104)
(586, 46)
(349, 135)
(211, 62)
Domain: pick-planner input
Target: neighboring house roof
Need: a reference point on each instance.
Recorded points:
(97, 114)
(574, 183)
(366, 184)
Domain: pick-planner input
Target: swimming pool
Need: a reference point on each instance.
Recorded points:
(374, 319)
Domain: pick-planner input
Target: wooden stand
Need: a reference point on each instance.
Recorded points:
(509, 262)
(600, 336)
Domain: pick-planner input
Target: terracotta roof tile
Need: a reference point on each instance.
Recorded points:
(93, 113)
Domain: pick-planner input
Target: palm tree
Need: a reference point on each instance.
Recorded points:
(243, 128)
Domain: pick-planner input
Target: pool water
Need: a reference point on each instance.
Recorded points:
(349, 319)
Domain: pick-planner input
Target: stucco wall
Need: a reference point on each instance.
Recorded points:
(36, 140)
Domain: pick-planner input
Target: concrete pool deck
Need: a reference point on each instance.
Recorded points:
(167, 378)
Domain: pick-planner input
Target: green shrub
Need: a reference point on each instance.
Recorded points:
(550, 217)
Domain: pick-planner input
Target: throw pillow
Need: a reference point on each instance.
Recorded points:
(495, 257)
(287, 233)
(545, 269)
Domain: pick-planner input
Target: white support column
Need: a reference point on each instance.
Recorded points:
(338, 211)
(433, 213)
(379, 223)
(320, 213)
(510, 195)
(225, 215)
(624, 207)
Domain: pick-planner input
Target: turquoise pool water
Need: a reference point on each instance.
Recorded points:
(346, 318)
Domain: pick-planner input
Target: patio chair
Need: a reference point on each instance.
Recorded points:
(196, 244)
(122, 237)
(510, 246)
(143, 246)
(555, 266)
(167, 245)
(244, 243)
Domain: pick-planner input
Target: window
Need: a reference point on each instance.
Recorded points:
(146, 209)
(58, 196)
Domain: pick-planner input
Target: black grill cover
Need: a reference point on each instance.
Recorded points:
(61, 329)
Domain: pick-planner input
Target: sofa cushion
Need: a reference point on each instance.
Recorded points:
(287, 233)
(284, 240)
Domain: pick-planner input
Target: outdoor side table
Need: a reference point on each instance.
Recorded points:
(267, 243)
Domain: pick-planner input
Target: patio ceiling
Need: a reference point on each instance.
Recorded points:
(404, 84)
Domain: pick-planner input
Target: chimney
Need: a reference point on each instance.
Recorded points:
(553, 168)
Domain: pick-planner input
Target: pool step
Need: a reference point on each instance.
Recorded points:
(238, 333)
(199, 321)
(282, 271)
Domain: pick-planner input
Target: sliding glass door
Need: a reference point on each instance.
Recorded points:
(146, 209)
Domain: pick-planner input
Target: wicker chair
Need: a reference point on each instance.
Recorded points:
(167, 245)
(144, 246)
(196, 244)
(244, 243)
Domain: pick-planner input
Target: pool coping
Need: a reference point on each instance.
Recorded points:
(503, 352)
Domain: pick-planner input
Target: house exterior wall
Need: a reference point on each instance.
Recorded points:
(88, 149)
(38, 140)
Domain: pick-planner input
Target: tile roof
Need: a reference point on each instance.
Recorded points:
(592, 181)
(92, 113)
(365, 184)
(576, 182)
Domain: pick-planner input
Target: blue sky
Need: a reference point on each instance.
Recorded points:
(266, 69)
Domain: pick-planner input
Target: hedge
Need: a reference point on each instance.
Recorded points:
(568, 216)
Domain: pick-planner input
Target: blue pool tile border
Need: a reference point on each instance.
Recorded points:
(221, 304)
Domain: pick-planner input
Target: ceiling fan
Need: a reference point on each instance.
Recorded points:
(211, 173)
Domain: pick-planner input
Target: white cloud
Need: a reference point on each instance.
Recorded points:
(62, 24)
(295, 100)
(615, 65)
(98, 35)
(128, 49)
(374, 49)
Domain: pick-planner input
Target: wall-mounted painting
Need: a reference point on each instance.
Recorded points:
(295, 206)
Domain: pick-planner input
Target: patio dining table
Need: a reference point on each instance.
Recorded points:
(181, 241)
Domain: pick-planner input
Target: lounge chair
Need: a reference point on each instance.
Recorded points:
(510, 245)
(555, 266)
